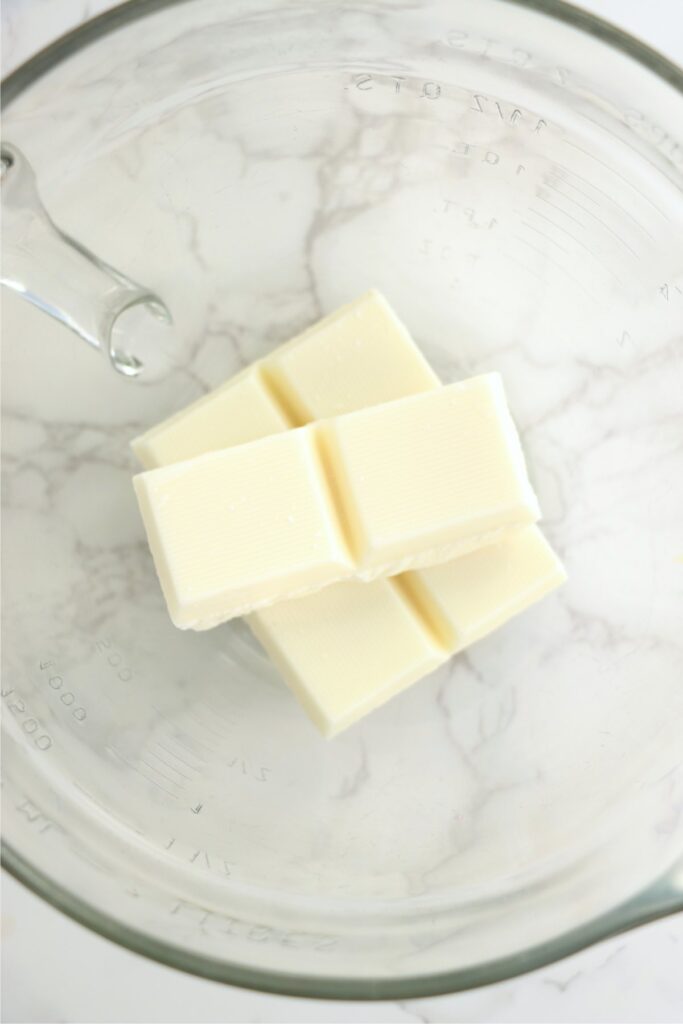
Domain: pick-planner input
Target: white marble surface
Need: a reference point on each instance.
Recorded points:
(81, 977)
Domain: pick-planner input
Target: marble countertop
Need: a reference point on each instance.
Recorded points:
(55, 970)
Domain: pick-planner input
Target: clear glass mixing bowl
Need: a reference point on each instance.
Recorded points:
(510, 175)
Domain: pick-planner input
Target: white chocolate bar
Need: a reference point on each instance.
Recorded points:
(358, 356)
(332, 647)
(398, 486)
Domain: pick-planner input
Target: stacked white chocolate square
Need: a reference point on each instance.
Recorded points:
(401, 474)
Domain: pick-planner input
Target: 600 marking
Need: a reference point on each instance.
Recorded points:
(114, 660)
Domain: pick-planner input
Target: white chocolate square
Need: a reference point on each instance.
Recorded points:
(346, 649)
(358, 357)
(428, 477)
(240, 411)
(242, 527)
(471, 596)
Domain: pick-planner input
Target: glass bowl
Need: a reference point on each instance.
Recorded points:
(510, 176)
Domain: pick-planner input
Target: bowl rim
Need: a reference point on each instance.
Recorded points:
(660, 899)
(132, 10)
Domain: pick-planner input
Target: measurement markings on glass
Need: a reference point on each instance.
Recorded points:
(484, 155)
(168, 764)
(153, 778)
(213, 711)
(172, 736)
(182, 760)
(114, 659)
(30, 725)
(543, 234)
(33, 814)
(557, 168)
(621, 177)
(432, 90)
(206, 859)
(544, 254)
(590, 213)
(216, 925)
(177, 740)
(163, 775)
(554, 206)
(55, 681)
(579, 242)
(203, 725)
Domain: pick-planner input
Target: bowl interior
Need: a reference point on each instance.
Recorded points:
(258, 165)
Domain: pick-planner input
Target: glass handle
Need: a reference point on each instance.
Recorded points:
(59, 275)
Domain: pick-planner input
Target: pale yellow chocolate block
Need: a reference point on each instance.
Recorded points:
(349, 648)
(234, 529)
(242, 410)
(406, 484)
(359, 355)
(466, 599)
(320, 642)
(429, 477)
(346, 649)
